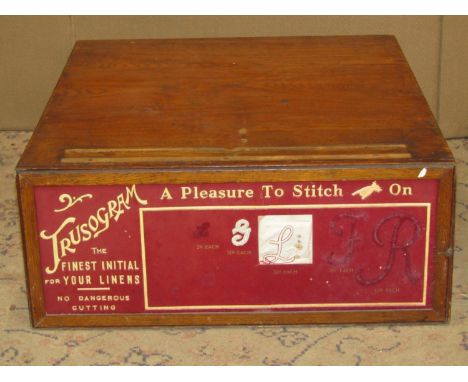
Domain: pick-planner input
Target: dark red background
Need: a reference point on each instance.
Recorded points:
(179, 275)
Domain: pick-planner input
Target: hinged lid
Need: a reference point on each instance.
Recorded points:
(236, 102)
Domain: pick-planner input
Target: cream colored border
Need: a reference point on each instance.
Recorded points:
(295, 206)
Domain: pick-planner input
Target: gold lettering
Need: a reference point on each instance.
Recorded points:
(103, 218)
(54, 238)
(97, 223)
(131, 193)
(166, 194)
(185, 192)
(316, 191)
(111, 207)
(120, 203)
(266, 191)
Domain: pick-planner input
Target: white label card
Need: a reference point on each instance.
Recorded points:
(285, 239)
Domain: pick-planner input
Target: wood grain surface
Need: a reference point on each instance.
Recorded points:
(253, 98)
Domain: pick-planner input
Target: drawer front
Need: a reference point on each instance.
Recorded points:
(314, 247)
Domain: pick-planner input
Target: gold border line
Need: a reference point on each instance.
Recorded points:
(426, 257)
(143, 255)
(295, 206)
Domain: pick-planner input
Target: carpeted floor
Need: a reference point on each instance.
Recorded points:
(253, 345)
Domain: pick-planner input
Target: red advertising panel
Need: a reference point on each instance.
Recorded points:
(290, 246)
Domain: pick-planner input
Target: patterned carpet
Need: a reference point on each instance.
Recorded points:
(253, 345)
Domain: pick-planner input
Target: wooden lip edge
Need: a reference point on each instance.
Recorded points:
(451, 175)
(241, 154)
(224, 159)
(401, 147)
(26, 273)
(34, 174)
(141, 167)
(443, 264)
(372, 36)
(31, 258)
(377, 317)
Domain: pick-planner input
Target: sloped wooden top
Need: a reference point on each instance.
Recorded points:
(294, 101)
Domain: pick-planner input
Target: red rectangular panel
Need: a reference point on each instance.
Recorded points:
(292, 246)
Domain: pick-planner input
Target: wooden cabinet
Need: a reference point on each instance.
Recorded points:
(237, 181)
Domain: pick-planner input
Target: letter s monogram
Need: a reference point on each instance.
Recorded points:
(241, 233)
